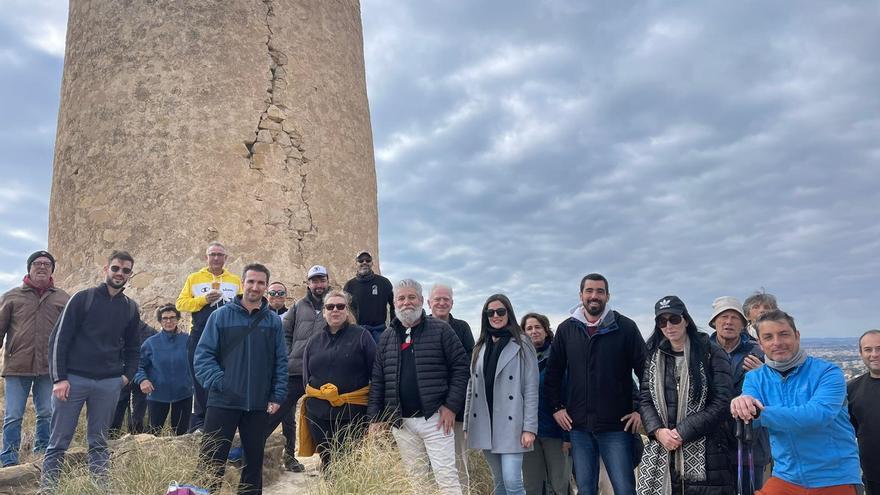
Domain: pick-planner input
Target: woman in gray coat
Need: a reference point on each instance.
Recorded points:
(501, 412)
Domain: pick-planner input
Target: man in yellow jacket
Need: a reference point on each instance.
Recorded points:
(202, 293)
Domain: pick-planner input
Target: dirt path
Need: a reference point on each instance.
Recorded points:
(300, 483)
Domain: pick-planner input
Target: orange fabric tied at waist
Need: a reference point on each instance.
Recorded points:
(331, 394)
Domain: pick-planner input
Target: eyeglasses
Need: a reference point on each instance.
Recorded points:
(364, 261)
(337, 307)
(277, 293)
(115, 268)
(216, 255)
(168, 318)
(43, 264)
(662, 320)
(492, 312)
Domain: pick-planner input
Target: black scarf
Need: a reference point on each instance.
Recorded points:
(490, 364)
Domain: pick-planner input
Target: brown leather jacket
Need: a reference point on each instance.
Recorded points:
(26, 321)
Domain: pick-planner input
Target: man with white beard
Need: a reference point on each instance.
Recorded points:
(419, 393)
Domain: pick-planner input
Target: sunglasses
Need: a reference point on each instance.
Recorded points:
(115, 268)
(662, 320)
(337, 307)
(365, 260)
(277, 293)
(492, 312)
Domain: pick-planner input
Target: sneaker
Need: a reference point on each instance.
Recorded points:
(235, 454)
(293, 465)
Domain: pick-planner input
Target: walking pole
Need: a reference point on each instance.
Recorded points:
(738, 432)
(747, 434)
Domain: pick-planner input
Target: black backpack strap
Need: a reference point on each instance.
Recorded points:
(238, 341)
(90, 298)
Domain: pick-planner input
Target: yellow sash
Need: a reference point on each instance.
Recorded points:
(331, 394)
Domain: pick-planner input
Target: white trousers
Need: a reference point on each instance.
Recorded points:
(424, 447)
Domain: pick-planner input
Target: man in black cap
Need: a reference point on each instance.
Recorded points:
(372, 297)
(27, 315)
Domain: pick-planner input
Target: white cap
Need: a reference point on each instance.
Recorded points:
(317, 271)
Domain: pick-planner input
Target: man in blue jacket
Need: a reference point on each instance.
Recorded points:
(801, 400)
(241, 360)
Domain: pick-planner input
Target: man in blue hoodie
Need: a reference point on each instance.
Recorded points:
(93, 353)
(241, 360)
(801, 400)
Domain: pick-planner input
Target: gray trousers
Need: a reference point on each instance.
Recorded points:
(99, 397)
(547, 464)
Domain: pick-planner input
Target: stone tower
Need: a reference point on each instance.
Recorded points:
(242, 121)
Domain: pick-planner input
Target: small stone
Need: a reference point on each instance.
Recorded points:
(280, 73)
(283, 139)
(269, 124)
(259, 161)
(288, 126)
(275, 113)
(264, 136)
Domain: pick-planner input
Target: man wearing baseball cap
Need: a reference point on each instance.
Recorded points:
(303, 320)
(372, 296)
(745, 355)
(27, 315)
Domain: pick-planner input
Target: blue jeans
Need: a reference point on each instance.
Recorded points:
(616, 449)
(506, 472)
(17, 390)
(375, 331)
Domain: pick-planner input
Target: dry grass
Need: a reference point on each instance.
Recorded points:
(145, 468)
(372, 465)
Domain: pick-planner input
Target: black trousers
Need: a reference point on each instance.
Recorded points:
(133, 401)
(331, 434)
(219, 428)
(872, 487)
(286, 415)
(180, 412)
(200, 395)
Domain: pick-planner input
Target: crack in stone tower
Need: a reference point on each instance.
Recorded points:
(243, 121)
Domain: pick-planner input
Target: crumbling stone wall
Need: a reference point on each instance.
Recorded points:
(243, 121)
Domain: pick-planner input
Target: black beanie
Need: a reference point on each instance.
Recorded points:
(40, 254)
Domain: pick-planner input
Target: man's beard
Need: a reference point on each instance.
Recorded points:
(597, 311)
(409, 317)
(364, 270)
(114, 284)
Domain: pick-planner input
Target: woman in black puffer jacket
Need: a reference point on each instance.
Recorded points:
(685, 397)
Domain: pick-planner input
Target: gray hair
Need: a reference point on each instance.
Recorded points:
(759, 298)
(408, 283)
(440, 286)
(776, 315)
(213, 244)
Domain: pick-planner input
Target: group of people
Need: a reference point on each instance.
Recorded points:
(660, 416)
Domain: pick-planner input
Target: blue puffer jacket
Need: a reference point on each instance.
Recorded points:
(164, 362)
(811, 438)
(254, 372)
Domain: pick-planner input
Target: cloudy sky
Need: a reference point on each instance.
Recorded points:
(690, 148)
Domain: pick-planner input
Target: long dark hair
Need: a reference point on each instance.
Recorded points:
(512, 326)
(699, 351)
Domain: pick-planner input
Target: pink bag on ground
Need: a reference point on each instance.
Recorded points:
(174, 488)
